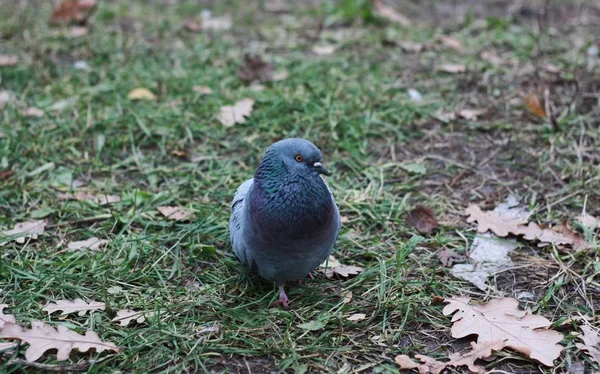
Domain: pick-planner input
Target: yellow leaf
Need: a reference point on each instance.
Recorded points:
(533, 103)
(141, 94)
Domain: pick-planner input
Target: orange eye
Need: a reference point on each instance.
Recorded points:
(299, 158)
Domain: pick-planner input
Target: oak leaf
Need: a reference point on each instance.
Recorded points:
(23, 230)
(591, 342)
(237, 113)
(501, 320)
(6, 318)
(175, 213)
(78, 306)
(498, 224)
(126, 316)
(42, 337)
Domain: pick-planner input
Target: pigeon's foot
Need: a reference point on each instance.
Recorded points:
(283, 299)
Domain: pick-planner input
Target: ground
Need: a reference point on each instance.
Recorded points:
(354, 104)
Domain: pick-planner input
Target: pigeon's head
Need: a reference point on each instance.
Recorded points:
(298, 155)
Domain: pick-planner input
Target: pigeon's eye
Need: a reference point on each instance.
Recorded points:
(299, 158)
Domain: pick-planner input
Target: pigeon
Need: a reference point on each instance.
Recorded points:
(284, 221)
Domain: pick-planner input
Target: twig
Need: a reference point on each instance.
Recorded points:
(80, 366)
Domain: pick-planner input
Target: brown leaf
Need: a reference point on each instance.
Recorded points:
(230, 115)
(255, 69)
(390, 13)
(6, 173)
(42, 337)
(126, 316)
(357, 317)
(7, 60)
(346, 297)
(452, 68)
(588, 221)
(492, 58)
(24, 230)
(33, 112)
(499, 225)
(93, 244)
(192, 25)
(324, 50)
(534, 104)
(449, 258)
(405, 362)
(68, 11)
(422, 219)
(73, 306)
(450, 42)
(100, 199)
(412, 47)
(175, 213)
(591, 342)
(344, 271)
(471, 114)
(6, 318)
(497, 321)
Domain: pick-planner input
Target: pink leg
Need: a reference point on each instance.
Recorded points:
(283, 299)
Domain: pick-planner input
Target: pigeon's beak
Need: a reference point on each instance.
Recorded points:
(321, 169)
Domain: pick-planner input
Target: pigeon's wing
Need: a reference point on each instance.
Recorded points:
(237, 220)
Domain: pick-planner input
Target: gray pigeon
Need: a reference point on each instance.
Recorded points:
(284, 221)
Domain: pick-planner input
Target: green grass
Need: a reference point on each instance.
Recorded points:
(354, 105)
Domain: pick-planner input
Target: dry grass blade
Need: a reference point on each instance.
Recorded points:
(501, 320)
(42, 337)
(93, 244)
(73, 306)
(390, 13)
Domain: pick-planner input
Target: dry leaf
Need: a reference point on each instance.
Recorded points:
(75, 306)
(210, 329)
(126, 316)
(33, 112)
(471, 114)
(390, 13)
(492, 58)
(591, 342)
(5, 97)
(450, 42)
(331, 262)
(24, 230)
(534, 104)
(6, 60)
(6, 318)
(215, 23)
(422, 219)
(280, 75)
(77, 31)
(175, 213)
(499, 225)
(202, 90)
(412, 47)
(93, 244)
(344, 271)
(449, 258)
(497, 321)
(141, 94)
(42, 337)
(192, 25)
(230, 115)
(73, 11)
(588, 221)
(357, 317)
(324, 50)
(431, 365)
(347, 297)
(255, 69)
(452, 68)
(99, 199)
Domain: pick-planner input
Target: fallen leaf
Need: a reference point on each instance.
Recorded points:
(346, 297)
(452, 68)
(591, 342)
(5, 97)
(431, 365)
(280, 75)
(324, 50)
(7, 60)
(141, 94)
(208, 22)
(357, 317)
(344, 271)
(415, 96)
(192, 25)
(202, 90)
(534, 104)
(331, 262)
(175, 213)
(93, 244)
(24, 230)
(588, 221)
(73, 306)
(73, 11)
(6, 318)
(414, 168)
(42, 337)
(492, 58)
(100, 199)
(448, 258)
(471, 114)
(390, 13)
(254, 69)
(496, 321)
(126, 316)
(210, 329)
(312, 325)
(412, 47)
(501, 225)
(422, 219)
(33, 112)
(450, 42)
(230, 115)
(77, 31)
